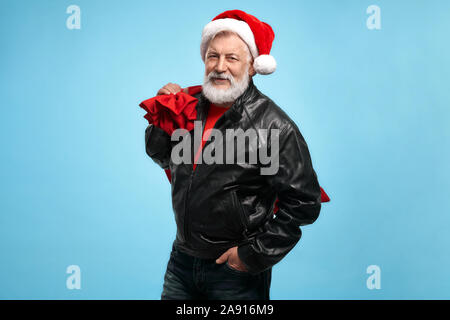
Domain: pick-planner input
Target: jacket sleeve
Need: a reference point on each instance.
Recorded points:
(158, 145)
(298, 191)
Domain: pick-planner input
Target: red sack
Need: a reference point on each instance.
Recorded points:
(171, 111)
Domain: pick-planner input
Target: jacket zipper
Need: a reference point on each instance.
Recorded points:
(186, 216)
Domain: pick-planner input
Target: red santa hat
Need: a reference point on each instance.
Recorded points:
(256, 34)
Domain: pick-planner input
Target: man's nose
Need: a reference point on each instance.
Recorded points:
(221, 65)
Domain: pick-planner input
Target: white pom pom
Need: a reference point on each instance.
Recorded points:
(265, 64)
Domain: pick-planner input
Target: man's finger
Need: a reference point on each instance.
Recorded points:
(223, 257)
(163, 91)
(173, 88)
(168, 87)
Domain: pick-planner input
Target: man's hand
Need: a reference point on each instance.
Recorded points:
(170, 88)
(233, 259)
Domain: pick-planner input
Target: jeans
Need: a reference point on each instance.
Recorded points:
(191, 278)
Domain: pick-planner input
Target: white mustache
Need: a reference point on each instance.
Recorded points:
(214, 74)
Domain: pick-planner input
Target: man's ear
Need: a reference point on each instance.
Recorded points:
(251, 69)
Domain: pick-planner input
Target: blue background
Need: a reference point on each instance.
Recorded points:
(77, 187)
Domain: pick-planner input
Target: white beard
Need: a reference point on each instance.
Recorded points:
(221, 96)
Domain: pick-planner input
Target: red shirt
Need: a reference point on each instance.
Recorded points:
(214, 114)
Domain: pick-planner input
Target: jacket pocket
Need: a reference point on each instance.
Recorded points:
(219, 222)
(241, 212)
(235, 271)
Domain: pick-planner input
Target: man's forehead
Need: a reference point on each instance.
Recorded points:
(229, 43)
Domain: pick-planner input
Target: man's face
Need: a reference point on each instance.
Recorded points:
(227, 54)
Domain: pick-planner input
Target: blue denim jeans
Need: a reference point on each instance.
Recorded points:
(191, 278)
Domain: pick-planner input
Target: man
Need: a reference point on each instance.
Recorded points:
(228, 238)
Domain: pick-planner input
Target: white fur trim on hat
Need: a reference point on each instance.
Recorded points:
(237, 26)
(265, 64)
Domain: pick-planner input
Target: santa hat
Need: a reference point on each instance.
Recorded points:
(256, 34)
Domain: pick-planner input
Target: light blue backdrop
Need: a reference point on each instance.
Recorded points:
(77, 187)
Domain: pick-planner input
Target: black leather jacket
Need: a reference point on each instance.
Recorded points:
(219, 206)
